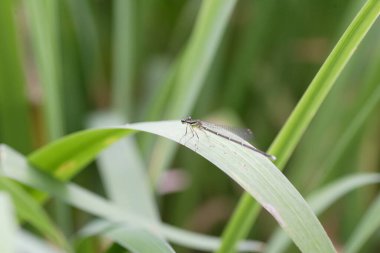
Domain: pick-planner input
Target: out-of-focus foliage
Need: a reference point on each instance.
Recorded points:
(69, 65)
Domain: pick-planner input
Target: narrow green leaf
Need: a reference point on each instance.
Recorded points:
(28, 242)
(124, 55)
(250, 44)
(364, 109)
(29, 210)
(199, 54)
(86, 28)
(123, 172)
(291, 133)
(43, 20)
(66, 157)
(305, 110)
(321, 200)
(191, 72)
(8, 223)
(133, 238)
(14, 130)
(368, 225)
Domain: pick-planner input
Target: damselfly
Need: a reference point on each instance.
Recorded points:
(228, 133)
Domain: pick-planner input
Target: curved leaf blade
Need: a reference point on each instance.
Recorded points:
(15, 166)
(30, 210)
(65, 157)
(254, 172)
(8, 224)
(28, 242)
(258, 176)
(133, 238)
(321, 200)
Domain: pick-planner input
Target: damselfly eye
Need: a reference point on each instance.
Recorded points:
(186, 120)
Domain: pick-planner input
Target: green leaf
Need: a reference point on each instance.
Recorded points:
(28, 242)
(199, 54)
(365, 108)
(133, 238)
(30, 210)
(66, 157)
(8, 224)
(43, 19)
(253, 171)
(14, 131)
(123, 175)
(291, 133)
(15, 166)
(190, 73)
(321, 200)
(124, 55)
(260, 178)
(322, 83)
(88, 36)
(368, 225)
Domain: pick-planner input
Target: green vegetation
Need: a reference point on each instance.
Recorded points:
(303, 76)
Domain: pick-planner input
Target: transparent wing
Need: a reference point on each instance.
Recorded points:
(243, 133)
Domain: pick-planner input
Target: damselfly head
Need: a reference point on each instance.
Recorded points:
(187, 120)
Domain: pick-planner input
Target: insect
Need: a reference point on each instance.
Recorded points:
(238, 136)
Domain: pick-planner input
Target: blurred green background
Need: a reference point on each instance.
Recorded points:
(67, 64)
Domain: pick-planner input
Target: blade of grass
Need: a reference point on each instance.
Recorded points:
(347, 122)
(159, 103)
(297, 123)
(250, 44)
(95, 205)
(43, 20)
(65, 158)
(364, 109)
(187, 75)
(123, 175)
(203, 242)
(27, 242)
(320, 200)
(75, 107)
(363, 112)
(254, 172)
(43, 17)
(119, 173)
(183, 26)
(191, 73)
(133, 238)
(88, 37)
(8, 224)
(264, 188)
(124, 55)
(323, 81)
(198, 55)
(29, 210)
(331, 115)
(13, 99)
(366, 227)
